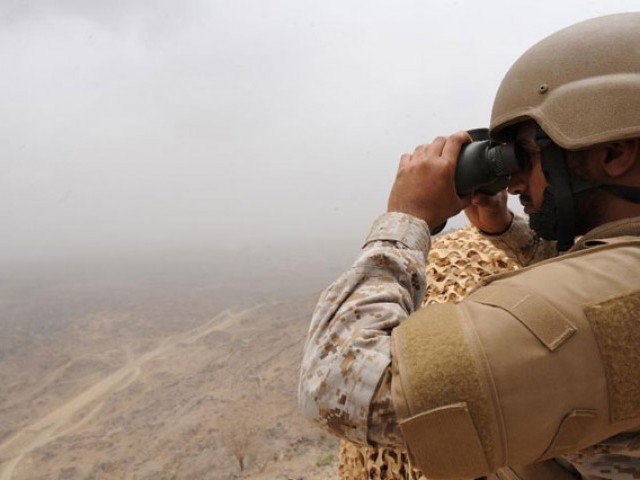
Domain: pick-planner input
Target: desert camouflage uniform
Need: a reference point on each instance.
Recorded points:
(345, 382)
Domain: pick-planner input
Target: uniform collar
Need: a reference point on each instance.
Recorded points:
(619, 228)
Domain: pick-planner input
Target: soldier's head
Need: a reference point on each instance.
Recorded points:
(572, 102)
(609, 163)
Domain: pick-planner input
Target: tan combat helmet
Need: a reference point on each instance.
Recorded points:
(581, 84)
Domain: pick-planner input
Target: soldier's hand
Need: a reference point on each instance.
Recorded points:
(489, 212)
(425, 182)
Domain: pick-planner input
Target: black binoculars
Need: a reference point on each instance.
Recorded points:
(485, 166)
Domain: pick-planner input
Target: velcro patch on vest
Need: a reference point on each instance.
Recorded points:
(616, 324)
(441, 436)
(542, 318)
(437, 368)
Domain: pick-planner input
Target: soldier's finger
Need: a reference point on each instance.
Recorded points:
(405, 158)
(454, 144)
(489, 201)
(419, 152)
(435, 147)
(481, 199)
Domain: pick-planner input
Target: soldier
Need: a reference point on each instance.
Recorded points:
(539, 367)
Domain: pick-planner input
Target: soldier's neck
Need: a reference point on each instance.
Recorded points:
(616, 208)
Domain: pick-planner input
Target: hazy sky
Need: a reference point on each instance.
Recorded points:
(155, 124)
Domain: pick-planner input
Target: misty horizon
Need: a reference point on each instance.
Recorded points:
(209, 125)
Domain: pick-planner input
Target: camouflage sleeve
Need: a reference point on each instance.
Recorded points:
(383, 424)
(616, 458)
(347, 351)
(520, 243)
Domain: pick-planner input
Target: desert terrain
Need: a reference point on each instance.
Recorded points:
(160, 368)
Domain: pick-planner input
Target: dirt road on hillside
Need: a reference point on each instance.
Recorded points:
(82, 408)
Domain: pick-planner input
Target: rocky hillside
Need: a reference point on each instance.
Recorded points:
(154, 389)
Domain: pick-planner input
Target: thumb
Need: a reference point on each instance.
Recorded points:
(482, 199)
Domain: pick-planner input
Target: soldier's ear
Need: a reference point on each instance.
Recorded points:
(620, 157)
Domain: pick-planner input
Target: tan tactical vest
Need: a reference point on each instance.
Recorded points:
(533, 364)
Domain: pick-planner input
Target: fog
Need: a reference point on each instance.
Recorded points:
(151, 126)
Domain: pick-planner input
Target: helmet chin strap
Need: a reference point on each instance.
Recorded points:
(556, 219)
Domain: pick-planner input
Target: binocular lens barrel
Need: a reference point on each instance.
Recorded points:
(485, 166)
